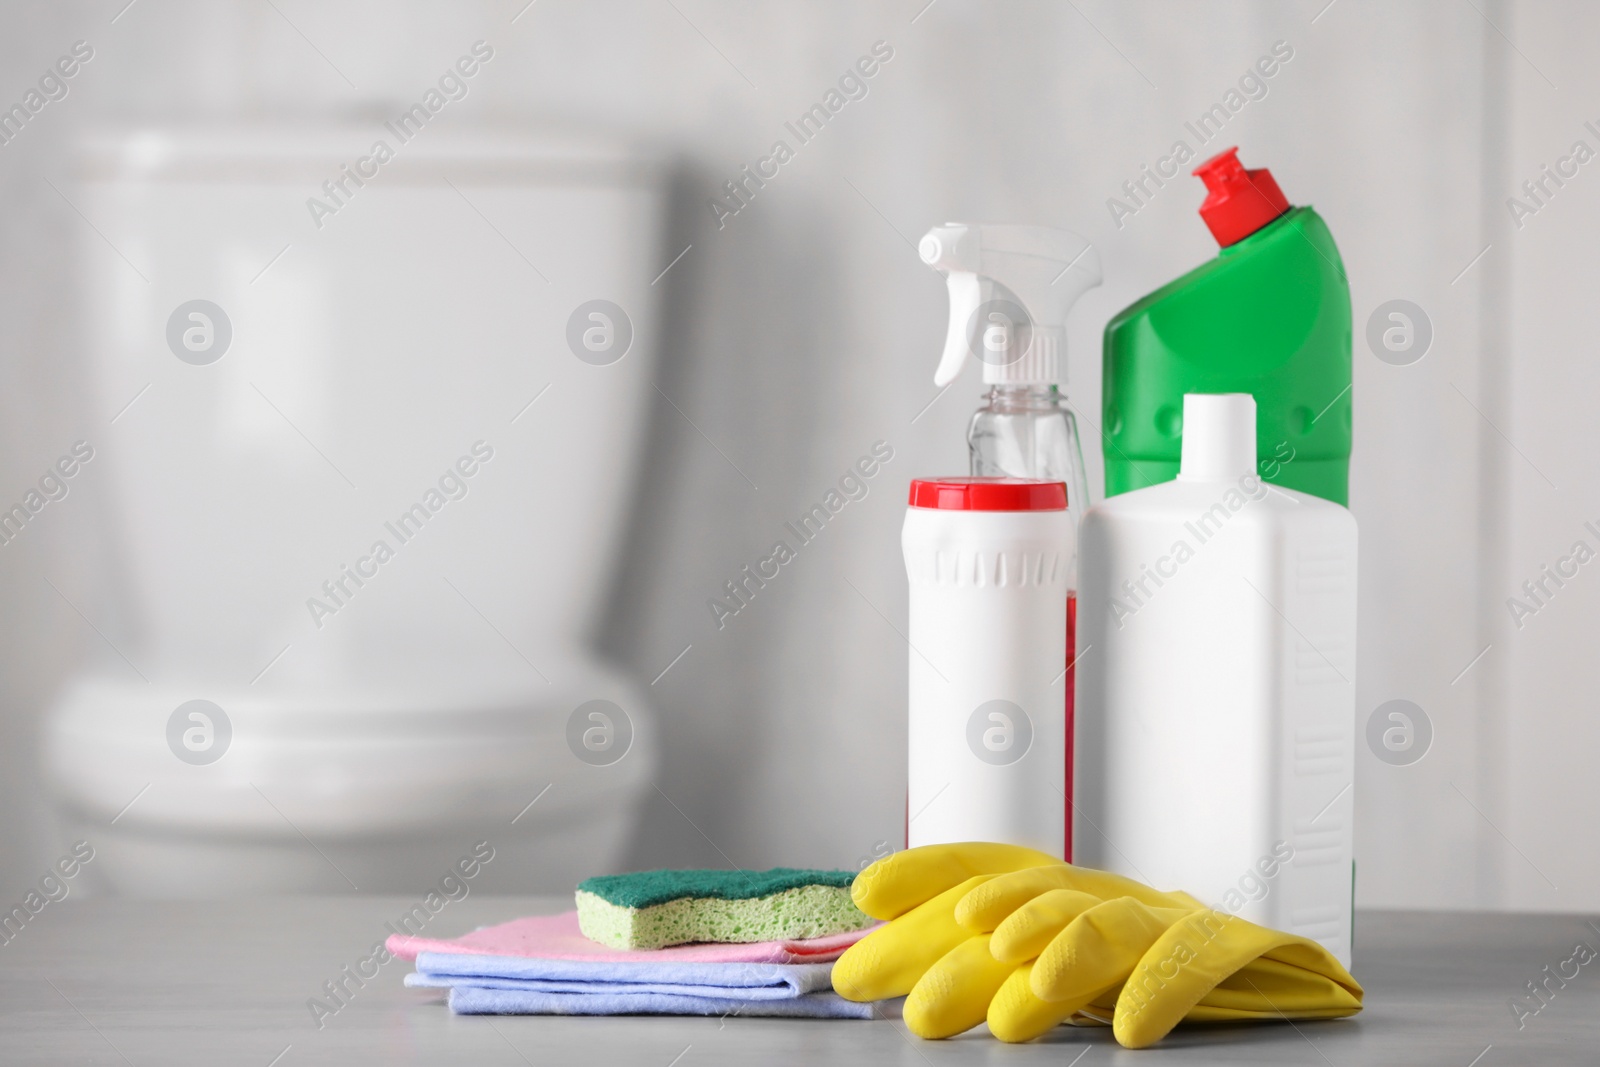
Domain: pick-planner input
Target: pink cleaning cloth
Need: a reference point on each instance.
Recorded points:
(557, 937)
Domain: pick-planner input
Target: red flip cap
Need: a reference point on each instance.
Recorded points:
(988, 494)
(1238, 202)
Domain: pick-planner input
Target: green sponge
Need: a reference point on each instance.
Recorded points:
(653, 909)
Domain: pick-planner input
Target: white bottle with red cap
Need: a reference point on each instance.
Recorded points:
(990, 562)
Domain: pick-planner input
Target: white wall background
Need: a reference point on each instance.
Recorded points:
(1550, 485)
(805, 329)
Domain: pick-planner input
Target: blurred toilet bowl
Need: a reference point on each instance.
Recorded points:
(330, 791)
(386, 361)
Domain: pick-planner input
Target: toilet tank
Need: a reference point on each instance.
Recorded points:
(300, 336)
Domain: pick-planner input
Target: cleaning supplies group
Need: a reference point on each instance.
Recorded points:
(1212, 729)
(1205, 637)
(1221, 719)
(659, 943)
(974, 933)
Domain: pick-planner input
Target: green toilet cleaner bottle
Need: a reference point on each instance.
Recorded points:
(1269, 316)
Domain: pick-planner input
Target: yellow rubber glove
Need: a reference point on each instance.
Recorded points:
(966, 922)
(1165, 957)
(901, 881)
(946, 969)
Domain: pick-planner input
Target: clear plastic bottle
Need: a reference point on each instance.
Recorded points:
(1027, 431)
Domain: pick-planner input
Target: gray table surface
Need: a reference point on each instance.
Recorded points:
(137, 982)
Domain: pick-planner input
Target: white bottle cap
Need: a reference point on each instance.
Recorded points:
(1039, 362)
(1219, 437)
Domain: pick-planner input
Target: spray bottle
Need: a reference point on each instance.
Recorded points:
(1011, 288)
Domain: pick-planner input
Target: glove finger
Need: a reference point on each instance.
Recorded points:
(889, 961)
(1015, 1014)
(985, 909)
(1270, 987)
(1027, 931)
(954, 995)
(896, 884)
(1100, 948)
(1199, 953)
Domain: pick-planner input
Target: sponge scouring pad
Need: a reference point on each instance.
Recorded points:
(654, 909)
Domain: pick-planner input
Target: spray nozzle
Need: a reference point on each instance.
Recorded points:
(1011, 288)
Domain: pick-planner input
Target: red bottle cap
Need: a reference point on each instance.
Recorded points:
(1238, 202)
(988, 494)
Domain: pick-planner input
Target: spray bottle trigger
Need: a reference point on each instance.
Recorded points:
(966, 296)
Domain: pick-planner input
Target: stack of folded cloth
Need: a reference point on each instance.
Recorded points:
(659, 943)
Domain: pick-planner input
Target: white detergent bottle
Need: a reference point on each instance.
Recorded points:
(1011, 289)
(987, 561)
(1216, 698)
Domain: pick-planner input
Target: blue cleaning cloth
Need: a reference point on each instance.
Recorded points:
(481, 984)
(478, 1000)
